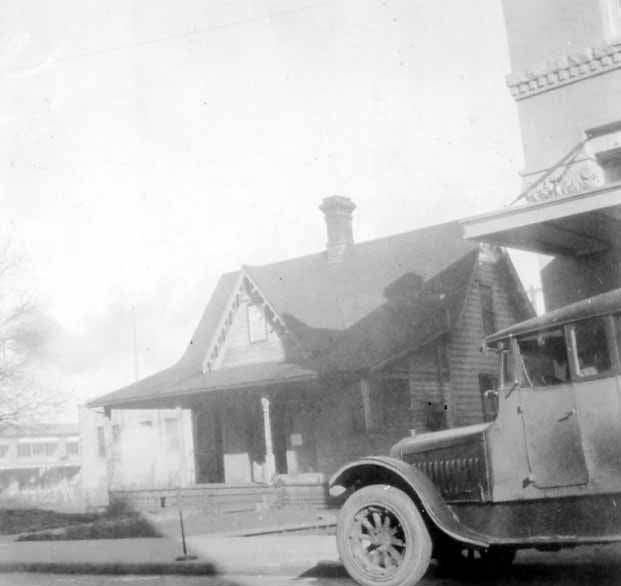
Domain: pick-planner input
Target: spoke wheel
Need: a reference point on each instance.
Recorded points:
(382, 538)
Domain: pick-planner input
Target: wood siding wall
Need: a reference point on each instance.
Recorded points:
(466, 359)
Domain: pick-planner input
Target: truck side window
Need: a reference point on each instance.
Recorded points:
(544, 356)
(592, 355)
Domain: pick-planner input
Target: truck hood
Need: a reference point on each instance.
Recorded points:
(437, 439)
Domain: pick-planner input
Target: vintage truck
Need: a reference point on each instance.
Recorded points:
(545, 474)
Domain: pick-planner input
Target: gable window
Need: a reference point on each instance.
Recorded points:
(486, 296)
(589, 343)
(257, 324)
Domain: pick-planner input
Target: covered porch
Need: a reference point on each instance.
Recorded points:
(251, 425)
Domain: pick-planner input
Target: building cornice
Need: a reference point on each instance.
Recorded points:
(565, 70)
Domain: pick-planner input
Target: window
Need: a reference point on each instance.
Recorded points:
(101, 442)
(589, 342)
(257, 324)
(73, 448)
(488, 318)
(544, 358)
(24, 450)
(171, 429)
(45, 449)
(392, 401)
(116, 433)
(489, 382)
(4, 450)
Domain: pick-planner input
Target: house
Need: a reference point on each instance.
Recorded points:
(301, 365)
(566, 81)
(36, 461)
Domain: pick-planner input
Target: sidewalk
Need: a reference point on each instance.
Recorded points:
(266, 554)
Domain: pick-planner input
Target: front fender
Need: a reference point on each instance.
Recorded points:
(386, 470)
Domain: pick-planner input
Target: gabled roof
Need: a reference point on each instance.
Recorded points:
(318, 301)
(328, 296)
(399, 326)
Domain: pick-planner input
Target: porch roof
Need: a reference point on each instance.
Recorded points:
(575, 225)
(167, 387)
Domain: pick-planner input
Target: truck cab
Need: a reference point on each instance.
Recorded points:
(545, 473)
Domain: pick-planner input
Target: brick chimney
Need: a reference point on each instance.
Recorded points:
(338, 213)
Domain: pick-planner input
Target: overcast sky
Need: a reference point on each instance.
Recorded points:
(149, 145)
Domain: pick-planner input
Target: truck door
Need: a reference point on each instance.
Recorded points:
(548, 409)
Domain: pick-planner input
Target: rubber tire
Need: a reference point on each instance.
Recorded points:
(417, 554)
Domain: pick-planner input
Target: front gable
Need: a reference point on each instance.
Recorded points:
(250, 331)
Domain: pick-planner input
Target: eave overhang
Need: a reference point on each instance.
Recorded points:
(575, 225)
(184, 392)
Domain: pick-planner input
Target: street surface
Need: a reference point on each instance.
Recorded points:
(581, 567)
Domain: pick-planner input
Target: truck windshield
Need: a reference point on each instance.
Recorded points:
(544, 357)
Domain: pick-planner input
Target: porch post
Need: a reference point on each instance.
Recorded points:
(108, 448)
(270, 463)
(183, 480)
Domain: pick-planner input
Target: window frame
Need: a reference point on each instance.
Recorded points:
(69, 447)
(172, 433)
(521, 373)
(613, 355)
(21, 447)
(259, 307)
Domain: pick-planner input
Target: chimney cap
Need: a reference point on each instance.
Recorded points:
(337, 202)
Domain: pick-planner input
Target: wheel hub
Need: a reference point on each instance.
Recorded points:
(378, 540)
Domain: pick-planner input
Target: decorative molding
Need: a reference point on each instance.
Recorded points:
(567, 180)
(246, 289)
(565, 70)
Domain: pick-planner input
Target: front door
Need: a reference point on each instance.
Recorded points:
(209, 455)
(548, 408)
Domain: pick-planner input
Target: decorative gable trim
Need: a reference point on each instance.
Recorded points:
(245, 285)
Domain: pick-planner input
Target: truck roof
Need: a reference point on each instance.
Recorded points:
(598, 305)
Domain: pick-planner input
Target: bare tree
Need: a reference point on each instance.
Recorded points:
(22, 397)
